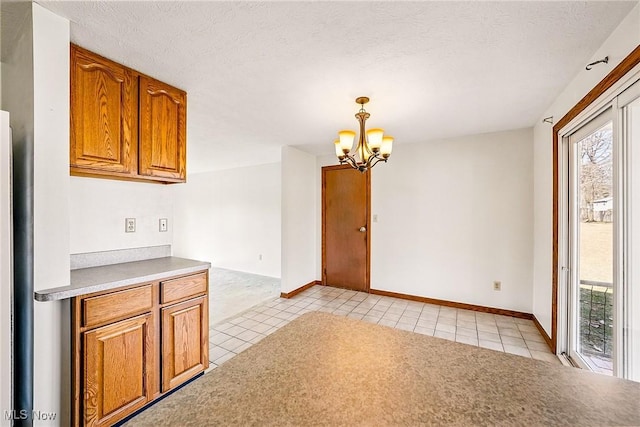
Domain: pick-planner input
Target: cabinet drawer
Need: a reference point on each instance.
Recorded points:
(183, 287)
(116, 305)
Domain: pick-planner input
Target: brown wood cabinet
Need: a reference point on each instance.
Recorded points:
(125, 125)
(118, 368)
(104, 113)
(163, 120)
(132, 345)
(184, 338)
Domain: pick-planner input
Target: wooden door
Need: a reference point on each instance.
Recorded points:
(163, 130)
(118, 369)
(104, 114)
(185, 337)
(345, 227)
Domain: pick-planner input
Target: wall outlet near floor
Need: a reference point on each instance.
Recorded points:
(164, 225)
(260, 257)
(129, 225)
(497, 285)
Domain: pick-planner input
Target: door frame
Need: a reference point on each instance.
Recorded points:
(367, 225)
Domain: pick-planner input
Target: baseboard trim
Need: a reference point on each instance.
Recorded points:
(481, 308)
(546, 337)
(300, 289)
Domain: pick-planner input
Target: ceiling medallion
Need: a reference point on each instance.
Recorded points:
(371, 150)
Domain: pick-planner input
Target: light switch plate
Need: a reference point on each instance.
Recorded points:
(164, 225)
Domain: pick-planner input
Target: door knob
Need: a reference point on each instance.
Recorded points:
(362, 229)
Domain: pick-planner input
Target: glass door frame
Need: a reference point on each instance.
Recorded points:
(616, 99)
(630, 328)
(571, 219)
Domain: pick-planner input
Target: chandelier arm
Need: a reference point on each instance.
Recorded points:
(369, 161)
(351, 161)
(378, 160)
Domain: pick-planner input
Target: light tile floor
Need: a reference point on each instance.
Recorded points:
(495, 332)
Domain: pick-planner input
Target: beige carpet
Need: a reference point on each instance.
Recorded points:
(323, 369)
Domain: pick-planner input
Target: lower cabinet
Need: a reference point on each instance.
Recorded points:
(129, 348)
(184, 337)
(118, 368)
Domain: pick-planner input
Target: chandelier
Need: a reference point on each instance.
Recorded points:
(376, 147)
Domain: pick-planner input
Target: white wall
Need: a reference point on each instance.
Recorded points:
(230, 218)
(456, 220)
(619, 44)
(452, 224)
(17, 80)
(36, 92)
(51, 211)
(299, 211)
(35, 76)
(98, 208)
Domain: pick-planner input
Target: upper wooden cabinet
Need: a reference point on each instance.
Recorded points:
(104, 112)
(163, 119)
(125, 125)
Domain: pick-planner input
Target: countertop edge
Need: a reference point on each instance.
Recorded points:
(64, 292)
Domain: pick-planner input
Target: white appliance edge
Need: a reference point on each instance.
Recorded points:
(6, 270)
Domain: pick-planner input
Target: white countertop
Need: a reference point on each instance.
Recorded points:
(104, 278)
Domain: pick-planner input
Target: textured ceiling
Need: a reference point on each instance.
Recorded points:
(260, 75)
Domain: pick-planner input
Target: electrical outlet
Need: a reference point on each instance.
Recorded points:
(164, 225)
(129, 225)
(260, 257)
(497, 285)
(375, 217)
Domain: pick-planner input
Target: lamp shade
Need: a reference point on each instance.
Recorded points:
(339, 152)
(346, 140)
(387, 146)
(374, 138)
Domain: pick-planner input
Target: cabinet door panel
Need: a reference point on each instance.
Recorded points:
(118, 369)
(185, 340)
(162, 130)
(103, 114)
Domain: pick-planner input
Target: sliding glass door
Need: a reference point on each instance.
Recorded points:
(591, 224)
(601, 204)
